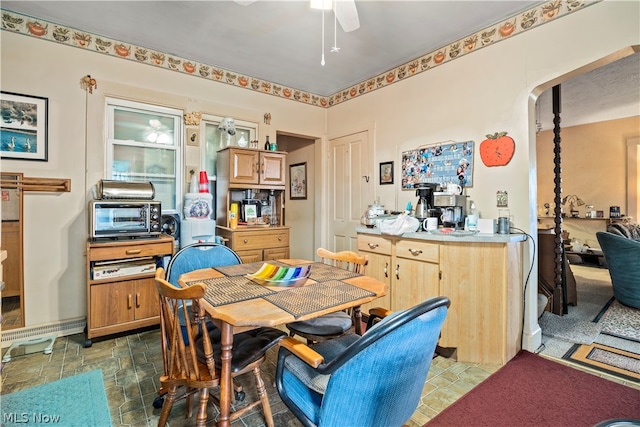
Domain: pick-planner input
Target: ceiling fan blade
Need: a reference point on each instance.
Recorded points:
(347, 15)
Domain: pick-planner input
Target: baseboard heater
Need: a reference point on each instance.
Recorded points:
(58, 329)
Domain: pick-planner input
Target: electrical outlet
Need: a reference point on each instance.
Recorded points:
(502, 199)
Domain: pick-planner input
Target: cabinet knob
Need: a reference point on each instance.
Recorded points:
(415, 252)
(372, 245)
(246, 241)
(398, 271)
(279, 238)
(386, 266)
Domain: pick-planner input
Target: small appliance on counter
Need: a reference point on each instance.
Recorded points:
(424, 207)
(124, 210)
(453, 209)
(251, 208)
(374, 214)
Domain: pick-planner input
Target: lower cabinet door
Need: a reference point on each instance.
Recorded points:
(111, 303)
(413, 282)
(146, 299)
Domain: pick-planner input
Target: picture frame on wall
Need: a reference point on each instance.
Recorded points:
(24, 127)
(298, 181)
(386, 173)
(193, 136)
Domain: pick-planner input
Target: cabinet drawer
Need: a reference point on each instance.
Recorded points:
(374, 244)
(123, 251)
(277, 253)
(413, 249)
(260, 240)
(250, 256)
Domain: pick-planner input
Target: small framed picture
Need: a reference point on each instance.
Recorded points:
(193, 136)
(24, 126)
(298, 181)
(386, 173)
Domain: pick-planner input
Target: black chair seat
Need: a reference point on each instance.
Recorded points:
(329, 324)
(248, 347)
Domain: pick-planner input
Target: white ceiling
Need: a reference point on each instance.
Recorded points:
(280, 42)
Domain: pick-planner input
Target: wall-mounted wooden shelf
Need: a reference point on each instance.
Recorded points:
(10, 180)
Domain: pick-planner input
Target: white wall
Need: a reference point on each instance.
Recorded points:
(484, 92)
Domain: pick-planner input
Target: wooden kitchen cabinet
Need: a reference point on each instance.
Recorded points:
(408, 267)
(416, 274)
(253, 244)
(242, 166)
(482, 280)
(262, 172)
(119, 304)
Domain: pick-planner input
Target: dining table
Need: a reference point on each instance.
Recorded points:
(235, 301)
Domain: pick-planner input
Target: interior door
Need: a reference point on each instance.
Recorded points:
(350, 189)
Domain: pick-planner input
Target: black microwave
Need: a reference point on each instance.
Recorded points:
(120, 219)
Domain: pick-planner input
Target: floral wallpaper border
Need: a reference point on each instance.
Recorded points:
(506, 29)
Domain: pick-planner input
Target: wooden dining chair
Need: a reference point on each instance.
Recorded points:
(336, 324)
(184, 375)
(191, 353)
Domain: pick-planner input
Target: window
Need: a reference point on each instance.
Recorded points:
(144, 144)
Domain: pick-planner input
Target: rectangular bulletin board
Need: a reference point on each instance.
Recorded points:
(438, 164)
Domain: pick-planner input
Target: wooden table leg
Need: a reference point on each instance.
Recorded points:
(357, 317)
(226, 387)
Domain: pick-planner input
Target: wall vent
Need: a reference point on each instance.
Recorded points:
(59, 329)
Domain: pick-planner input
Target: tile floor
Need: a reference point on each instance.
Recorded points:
(131, 365)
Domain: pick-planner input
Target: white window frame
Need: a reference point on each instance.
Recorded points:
(178, 140)
(215, 120)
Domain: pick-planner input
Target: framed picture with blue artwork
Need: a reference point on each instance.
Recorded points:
(23, 130)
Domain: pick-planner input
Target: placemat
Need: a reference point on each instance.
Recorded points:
(318, 296)
(244, 269)
(322, 272)
(227, 290)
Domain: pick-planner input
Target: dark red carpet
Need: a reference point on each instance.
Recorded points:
(533, 391)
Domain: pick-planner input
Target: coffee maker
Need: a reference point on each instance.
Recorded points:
(424, 207)
(453, 209)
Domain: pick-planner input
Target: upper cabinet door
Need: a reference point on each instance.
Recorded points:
(272, 167)
(244, 167)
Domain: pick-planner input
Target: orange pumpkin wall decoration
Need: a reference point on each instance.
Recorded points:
(497, 149)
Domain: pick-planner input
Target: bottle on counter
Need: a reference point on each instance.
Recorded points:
(272, 202)
(267, 145)
(472, 218)
(233, 216)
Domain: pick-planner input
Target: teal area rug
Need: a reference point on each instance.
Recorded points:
(79, 400)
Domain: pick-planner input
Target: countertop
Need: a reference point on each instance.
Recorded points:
(454, 237)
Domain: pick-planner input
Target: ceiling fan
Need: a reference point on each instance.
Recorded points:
(345, 11)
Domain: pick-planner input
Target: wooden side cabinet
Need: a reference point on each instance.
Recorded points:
(254, 245)
(119, 304)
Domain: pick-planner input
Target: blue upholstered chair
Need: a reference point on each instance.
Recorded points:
(197, 256)
(371, 380)
(623, 258)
